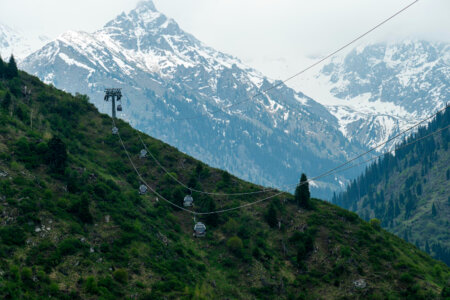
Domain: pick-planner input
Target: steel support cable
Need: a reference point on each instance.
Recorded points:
(389, 140)
(192, 189)
(294, 184)
(306, 69)
(396, 149)
(260, 200)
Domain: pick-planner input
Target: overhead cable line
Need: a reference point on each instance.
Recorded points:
(260, 200)
(398, 148)
(289, 185)
(389, 140)
(192, 189)
(304, 70)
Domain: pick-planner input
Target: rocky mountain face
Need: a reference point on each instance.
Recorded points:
(180, 90)
(377, 90)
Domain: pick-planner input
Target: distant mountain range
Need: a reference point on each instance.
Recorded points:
(168, 75)
(378, 89)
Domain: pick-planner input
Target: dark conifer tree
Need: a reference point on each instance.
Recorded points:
(6, 103)
(271, 216)
(211, 219)
(57, 155)
(433, 210)
(302, 194)
(11, 70)
(427, 247)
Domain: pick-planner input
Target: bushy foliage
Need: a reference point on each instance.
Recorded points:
(121, 275)
(12, 235)
(235, 244)
(375, 223)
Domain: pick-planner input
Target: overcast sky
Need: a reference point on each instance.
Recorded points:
(278, 37)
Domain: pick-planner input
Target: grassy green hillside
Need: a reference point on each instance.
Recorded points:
(73, 225)
(410, 192)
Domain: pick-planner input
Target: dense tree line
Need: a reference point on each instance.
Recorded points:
(376, 198)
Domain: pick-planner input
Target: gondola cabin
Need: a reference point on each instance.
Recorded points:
(188, 201)
(115, 130)
(119, 107)
(143, 153)
(199, 229)
(142, 190)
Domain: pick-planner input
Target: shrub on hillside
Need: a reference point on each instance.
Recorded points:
(235, 245)
(121, 275)
(12, 235)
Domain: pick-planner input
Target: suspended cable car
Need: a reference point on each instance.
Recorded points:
(119, 107)
(188, 201)
(142, 190)
(199, 229)
(115, 130)
(143, 153)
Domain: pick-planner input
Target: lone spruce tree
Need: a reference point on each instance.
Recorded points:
(11, 69)
(6, 103)
(302, 194)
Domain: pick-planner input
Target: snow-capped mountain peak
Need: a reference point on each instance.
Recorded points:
(167, 74)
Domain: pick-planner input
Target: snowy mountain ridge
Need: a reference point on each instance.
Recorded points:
(380, 89)
(13, 41)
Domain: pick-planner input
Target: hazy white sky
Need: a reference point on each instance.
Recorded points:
(278, 37)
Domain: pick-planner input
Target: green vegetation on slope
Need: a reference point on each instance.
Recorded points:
(410, 192)
(73, 225)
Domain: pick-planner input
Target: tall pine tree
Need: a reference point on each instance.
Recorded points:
(302, 194)
(57, 155)
(11, 69)
(2, 68)
(271, 216)
(6, 103)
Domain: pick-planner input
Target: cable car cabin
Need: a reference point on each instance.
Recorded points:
(119, 107)
(143, 153)
(142, 190)
(199, 229)
(115, 130)
(188, 201)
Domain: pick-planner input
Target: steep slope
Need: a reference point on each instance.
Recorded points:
(168, 75)
(74, 225)
(410, 192)
(377, 90)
